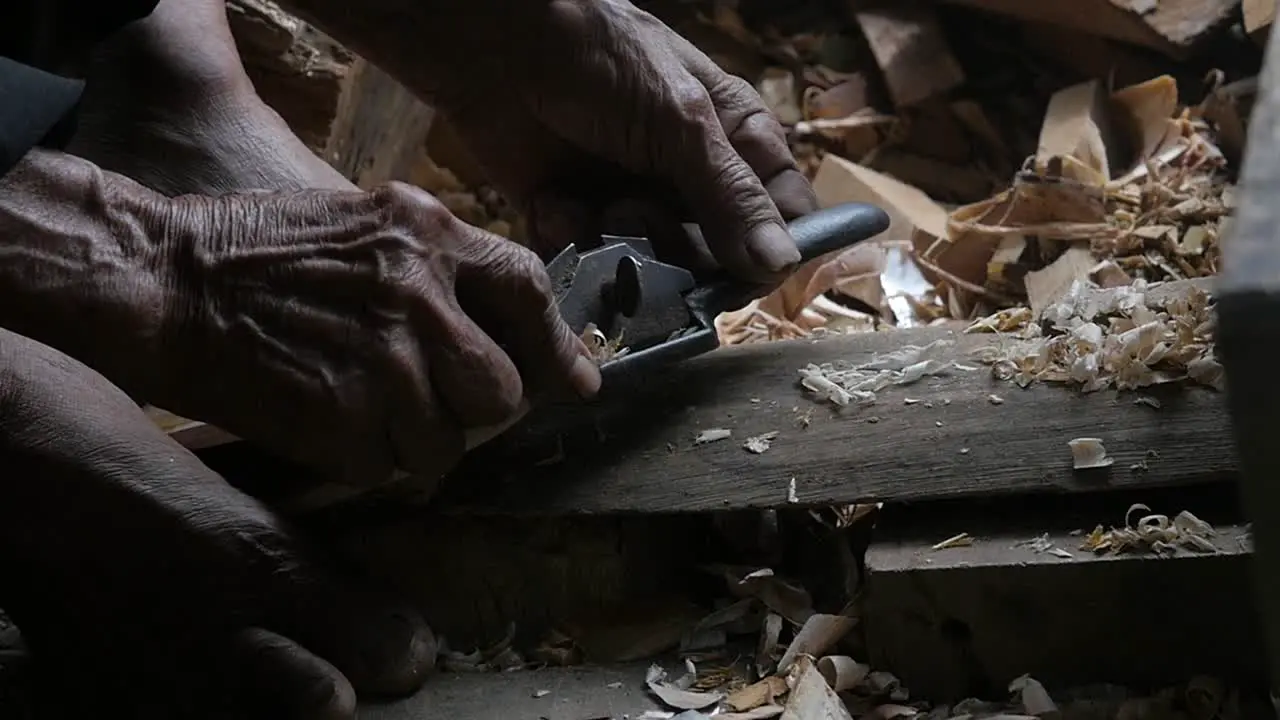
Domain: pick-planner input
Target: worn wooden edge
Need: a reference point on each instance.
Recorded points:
(574, 693)
(1025, 598)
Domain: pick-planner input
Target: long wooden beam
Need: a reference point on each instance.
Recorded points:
(636, 449)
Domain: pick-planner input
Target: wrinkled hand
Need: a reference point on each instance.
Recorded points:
(148, 587)
(360, 333)
(586, 96)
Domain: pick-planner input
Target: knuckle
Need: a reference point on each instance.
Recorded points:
(423, 211)
(735, 92)
(693, 106)
(527, 274)
(738, 182)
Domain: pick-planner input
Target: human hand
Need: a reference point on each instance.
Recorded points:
(147, 586)
(582, 99)
(359, 333)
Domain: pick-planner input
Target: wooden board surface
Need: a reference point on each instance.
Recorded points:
(957, 621)
(584, 693)
(634, 450)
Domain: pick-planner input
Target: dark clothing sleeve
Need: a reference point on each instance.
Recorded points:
(37, 107)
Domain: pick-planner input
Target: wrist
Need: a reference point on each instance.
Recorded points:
(80, 270)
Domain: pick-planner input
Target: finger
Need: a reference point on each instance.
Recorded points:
(277, 677)
(473, 376)
(793, 194)
(754, 131)
(381, 646)
(739, 220)
(505, 286)
(425, 439)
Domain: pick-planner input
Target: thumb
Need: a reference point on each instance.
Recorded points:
(739, 221)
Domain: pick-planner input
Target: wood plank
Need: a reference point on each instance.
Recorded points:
(633, 449)
(297, 70)
(379, 128)
(575, 693)
(1174, 27)
(350, 113)
(964, 621)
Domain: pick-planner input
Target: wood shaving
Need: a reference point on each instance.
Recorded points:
(602, 349)
(1088, 454)
(1122, 338)
(712, 435)
(676, 693)
(843, 384)
(1153, 533)
(955, 541)
(760, 444)
(1043, 544)
(819, 634)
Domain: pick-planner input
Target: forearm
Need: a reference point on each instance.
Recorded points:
(78, 269)
(431, 47)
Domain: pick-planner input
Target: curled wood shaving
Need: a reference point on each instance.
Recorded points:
(602, 349)
(676, 693)
(1089, 453)
(1098, 338)
(1153, 533)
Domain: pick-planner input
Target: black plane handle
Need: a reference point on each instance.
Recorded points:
(815, 235)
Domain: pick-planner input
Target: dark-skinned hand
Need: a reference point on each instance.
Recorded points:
(596, 116)
(147, 587)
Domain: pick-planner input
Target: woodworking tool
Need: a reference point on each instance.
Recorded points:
(659, 313)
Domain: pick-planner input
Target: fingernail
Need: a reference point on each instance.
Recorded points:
(398, 651)
(585, 377)
(771, 247)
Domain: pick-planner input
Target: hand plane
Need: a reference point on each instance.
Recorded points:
(658, 313)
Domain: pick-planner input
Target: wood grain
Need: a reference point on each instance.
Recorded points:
(634, 450)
